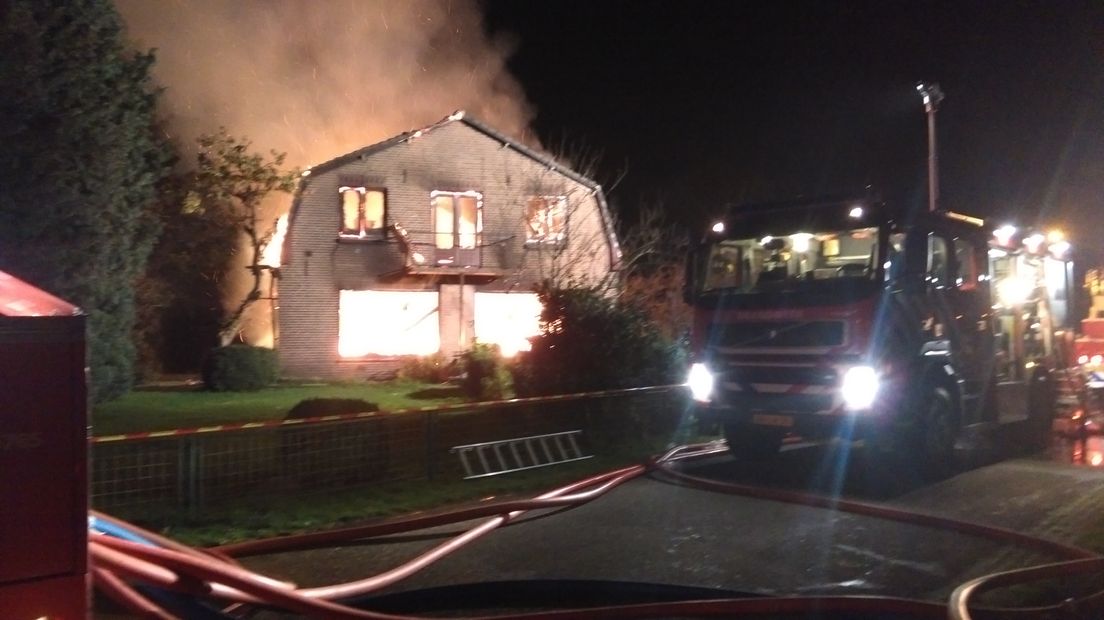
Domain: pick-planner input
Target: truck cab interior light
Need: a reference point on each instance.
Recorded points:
(1059, 249)
(1034, 242)
(700, 382)
(1013, 291)
(1004, 234)
(860, 387)
(801, 242)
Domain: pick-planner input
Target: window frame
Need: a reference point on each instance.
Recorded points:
(550, 201)
(429, 321)
(363, 233)
(947, 270)
(455, 228)
(977, 271)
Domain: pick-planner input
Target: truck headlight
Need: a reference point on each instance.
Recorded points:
(700, 382)
(860, 386)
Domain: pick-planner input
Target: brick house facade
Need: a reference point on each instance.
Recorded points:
(426, 242)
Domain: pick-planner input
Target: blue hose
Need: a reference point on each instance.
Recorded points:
(117, 531)
(180, 604)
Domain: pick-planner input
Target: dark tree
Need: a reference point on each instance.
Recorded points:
(180, 295)
(79, 166)
(653, 271)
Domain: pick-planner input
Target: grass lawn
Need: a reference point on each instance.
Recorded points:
(189, 407)
(264, 518)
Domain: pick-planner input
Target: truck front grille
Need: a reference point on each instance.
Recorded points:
(761, 334)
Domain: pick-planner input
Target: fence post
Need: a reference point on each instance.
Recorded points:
(189, 483)
(430, 442)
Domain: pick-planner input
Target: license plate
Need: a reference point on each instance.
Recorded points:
(766, 419)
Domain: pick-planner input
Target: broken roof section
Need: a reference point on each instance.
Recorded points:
(19, 298)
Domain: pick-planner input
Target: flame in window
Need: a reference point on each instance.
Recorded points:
(508, 320)
(388, 323)
(272, 251)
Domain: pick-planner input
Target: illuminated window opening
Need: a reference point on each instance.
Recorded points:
(457, 226)
(507, 319)
(546, 220)
(966, 263)
(938, 261)
(362, 211)
(387, 323)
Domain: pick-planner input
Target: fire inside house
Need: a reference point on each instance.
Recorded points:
(429, 242)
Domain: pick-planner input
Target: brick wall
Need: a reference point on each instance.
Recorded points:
(450, 157)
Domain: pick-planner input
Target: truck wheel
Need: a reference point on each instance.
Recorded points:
(936, 435)
(754, 442)
(1040, 412)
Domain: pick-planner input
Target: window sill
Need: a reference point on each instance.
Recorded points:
(536, 245)
(371, 357)
(369, 238)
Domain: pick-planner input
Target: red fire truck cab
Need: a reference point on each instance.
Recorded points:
(840, 317)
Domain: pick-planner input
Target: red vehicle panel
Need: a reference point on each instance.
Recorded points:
(43, 455)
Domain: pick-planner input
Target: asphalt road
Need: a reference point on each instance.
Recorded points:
(655, 531)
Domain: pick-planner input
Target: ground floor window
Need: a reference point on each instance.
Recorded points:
(507, 319)
(388, 323)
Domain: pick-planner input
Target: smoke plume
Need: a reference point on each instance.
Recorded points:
(320, 78)
(317, 79)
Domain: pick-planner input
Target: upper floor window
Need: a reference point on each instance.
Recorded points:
(546, 219)
(362, 210)
(457, 227)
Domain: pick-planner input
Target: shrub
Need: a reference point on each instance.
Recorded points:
(486, 376)
(314, 407)
(590, 342)
(436, 368)
(239, 368)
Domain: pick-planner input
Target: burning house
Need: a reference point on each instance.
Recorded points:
(428, 242)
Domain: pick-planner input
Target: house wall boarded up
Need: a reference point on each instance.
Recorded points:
(466, 213)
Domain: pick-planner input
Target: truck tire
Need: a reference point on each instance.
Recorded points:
(746, 441)
(936, 435)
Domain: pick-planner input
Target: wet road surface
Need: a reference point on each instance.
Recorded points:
(651, 530)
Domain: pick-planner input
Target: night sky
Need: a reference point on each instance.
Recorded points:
(705, 103)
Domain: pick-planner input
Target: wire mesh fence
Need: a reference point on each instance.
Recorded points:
(190, 471)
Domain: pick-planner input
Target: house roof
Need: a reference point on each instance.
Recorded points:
(461, 117)
(545, 159)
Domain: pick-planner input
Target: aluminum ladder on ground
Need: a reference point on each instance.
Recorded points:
(509, 455)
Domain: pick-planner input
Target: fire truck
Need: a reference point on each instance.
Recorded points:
(842, 317)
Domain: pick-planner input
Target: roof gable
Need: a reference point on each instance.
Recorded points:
(458, 117)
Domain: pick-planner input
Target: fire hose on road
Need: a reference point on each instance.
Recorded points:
(131, 565)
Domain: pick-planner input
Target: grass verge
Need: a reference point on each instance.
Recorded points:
(276, 516)
(164, 409)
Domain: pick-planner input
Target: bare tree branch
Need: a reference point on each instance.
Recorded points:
(235, 181)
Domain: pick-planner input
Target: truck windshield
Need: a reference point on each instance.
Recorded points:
(796, 261)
